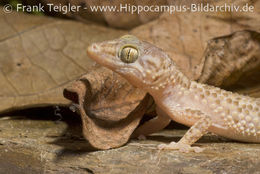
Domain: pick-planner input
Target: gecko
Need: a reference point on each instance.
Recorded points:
(201, 107)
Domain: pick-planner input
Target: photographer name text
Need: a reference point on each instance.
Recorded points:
(132, 9)
(64, 9)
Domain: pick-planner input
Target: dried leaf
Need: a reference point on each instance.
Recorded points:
(124, 19)
(109, 106)
(233, 62)
(109, 96)
(39, 56)
(127, 18)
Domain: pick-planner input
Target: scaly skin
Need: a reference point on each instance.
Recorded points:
(204, 108)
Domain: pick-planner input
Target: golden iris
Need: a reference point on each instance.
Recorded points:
(128, 54)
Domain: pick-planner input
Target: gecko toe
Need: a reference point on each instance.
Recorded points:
(162, 146)
(184, 148)
(198, 149)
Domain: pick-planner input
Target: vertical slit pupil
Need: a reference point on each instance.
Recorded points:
(129, 54)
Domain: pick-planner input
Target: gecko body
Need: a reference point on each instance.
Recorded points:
(201, 107)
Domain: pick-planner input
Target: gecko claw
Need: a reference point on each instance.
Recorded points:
(181, 147)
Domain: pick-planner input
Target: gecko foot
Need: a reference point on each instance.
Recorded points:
(181, 147)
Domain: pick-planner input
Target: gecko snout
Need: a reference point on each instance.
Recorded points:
(93, 48)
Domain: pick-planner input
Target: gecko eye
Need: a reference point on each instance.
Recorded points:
(128, 54)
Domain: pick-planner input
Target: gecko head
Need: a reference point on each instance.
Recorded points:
(141, 63)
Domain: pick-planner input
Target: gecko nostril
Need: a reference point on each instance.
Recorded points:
(95, 47)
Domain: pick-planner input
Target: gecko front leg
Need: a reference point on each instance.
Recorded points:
(154, 125)
(192, 135)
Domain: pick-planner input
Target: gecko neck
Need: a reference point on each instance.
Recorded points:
(169, 80)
